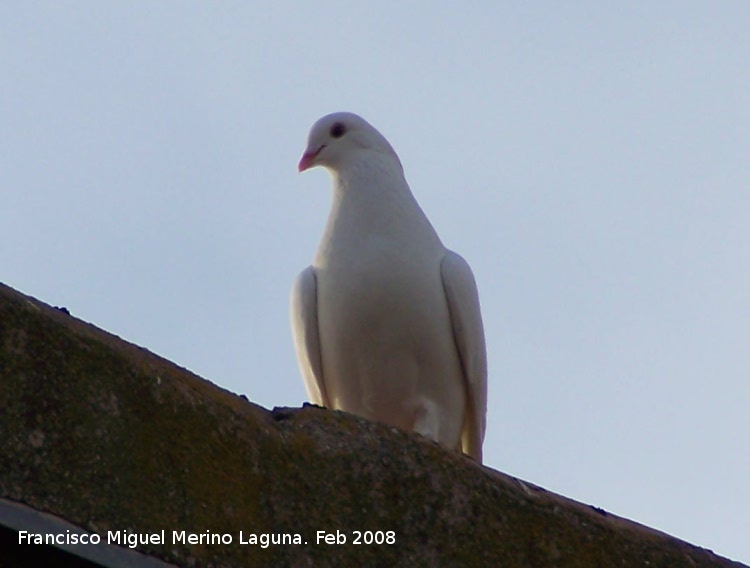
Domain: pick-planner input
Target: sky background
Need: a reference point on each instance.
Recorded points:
(591, 161)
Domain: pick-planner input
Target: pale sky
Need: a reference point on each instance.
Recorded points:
(591, 162)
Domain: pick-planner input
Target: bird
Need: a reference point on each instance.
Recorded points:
(386, 321)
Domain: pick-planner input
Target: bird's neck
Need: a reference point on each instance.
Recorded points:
(372, 173)
(373, 200)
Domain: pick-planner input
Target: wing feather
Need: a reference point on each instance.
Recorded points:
(304, 317)
(468, 333)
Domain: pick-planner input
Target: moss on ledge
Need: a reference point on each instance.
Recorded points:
(112, 437)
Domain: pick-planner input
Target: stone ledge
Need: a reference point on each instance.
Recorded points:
(111, 437)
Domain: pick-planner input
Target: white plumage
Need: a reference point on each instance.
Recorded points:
(386, 320)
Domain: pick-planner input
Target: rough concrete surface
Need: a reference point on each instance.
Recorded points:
(111, 437)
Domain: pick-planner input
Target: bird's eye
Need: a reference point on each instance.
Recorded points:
(338, 130)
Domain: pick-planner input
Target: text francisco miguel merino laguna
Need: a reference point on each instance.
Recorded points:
(131, 539)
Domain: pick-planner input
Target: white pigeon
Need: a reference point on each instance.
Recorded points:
(386, 321)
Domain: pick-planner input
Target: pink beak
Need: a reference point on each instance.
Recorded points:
(307, 159)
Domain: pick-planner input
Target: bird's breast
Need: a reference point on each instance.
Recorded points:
(386, 337)
(381, 287)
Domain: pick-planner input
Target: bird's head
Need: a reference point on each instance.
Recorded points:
(338, 140)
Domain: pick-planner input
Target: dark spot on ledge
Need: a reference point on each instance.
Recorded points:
(280, 413)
